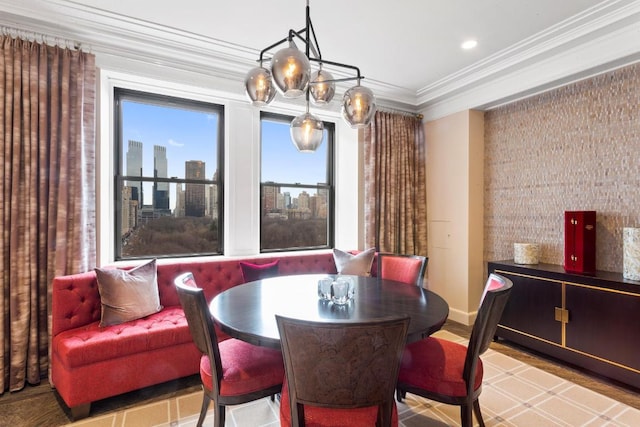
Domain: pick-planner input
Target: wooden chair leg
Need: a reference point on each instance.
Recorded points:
(203, 409)
(476, 410)
(219, 416)
(466, 416)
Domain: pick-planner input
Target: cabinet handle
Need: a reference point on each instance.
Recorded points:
(561, 315)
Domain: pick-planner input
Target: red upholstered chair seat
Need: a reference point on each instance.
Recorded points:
(246, 368)
(316, 416)
(437, 365)
(232, 371)
(451, 373)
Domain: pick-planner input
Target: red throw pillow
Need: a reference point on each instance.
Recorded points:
(251, 272)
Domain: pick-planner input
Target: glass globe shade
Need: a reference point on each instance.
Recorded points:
(358, 106)
(307, 132)
(259, 86)
(322, 91)
(290, 69)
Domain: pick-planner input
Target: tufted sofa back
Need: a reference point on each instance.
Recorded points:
(76, 301)
(216, 276)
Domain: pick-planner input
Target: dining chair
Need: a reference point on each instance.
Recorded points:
(449, 372)
(232, 371)
(404, 268)
(340, 373)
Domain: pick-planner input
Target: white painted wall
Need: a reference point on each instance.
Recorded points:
(454, 211)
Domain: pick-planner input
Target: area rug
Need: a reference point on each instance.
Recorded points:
(513, 394)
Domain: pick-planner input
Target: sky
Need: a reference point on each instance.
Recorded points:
(192, 135)
(187, 135)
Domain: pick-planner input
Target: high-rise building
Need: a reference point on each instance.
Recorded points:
(179, 209)
(160, 189)
(303, 200)
(126, 211)
(134, 168)
(269, 198)
(129, 212)
(287, 200)
(322, 203)
(194, 193)
(212, 198)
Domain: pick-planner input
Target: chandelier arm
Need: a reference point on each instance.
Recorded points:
(344, 79)
(312, 43)
(339, 64)
(292, 33)
(297, 34)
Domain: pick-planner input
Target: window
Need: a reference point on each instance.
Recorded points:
(168, 176)
(296, 191)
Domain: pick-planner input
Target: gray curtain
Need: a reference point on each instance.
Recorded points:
(395, 187)
(47, 182)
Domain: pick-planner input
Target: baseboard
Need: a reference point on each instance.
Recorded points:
(462, 317)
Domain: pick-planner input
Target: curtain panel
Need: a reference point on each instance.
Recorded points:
(395, 188)
(47, 182)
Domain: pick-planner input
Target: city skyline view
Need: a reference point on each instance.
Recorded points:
(189, 135)
(176, 140)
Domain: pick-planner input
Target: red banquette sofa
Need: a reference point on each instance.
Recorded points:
(89, 362)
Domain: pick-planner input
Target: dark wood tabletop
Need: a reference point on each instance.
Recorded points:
(247, 311)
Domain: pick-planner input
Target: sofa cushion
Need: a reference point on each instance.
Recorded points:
(92, 343)
(128, 294)
(358, 265)
(251, 272)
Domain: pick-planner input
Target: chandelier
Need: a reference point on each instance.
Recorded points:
(291, 75)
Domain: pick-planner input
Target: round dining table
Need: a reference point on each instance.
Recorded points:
(247, 312)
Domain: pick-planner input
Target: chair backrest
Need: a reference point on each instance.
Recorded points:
(196, 311)
(494, 298)
(342, 365)
(402, 267)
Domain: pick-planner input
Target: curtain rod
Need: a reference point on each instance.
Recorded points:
(34, 36)
(401, 112)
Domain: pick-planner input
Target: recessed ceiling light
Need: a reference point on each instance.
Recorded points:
(469, 44)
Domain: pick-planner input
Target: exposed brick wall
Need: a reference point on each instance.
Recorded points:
(572, 148)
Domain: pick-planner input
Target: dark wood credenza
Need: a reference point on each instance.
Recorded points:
(591, 321)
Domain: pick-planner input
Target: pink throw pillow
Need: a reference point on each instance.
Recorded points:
(128, 294)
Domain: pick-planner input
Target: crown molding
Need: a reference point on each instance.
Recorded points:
(598, 40)
(601, 35)
(605, 53)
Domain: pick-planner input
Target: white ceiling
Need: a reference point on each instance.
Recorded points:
(408, 50)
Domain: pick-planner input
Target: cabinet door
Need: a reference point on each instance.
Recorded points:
(531, 307)
(604, 323)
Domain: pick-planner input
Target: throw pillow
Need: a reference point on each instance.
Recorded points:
(251, 272)
(358, 265)
(128, 294)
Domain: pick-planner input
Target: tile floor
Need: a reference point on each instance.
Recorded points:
(514, 394)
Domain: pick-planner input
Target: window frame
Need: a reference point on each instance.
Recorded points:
(330, 127)
(122, 94)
